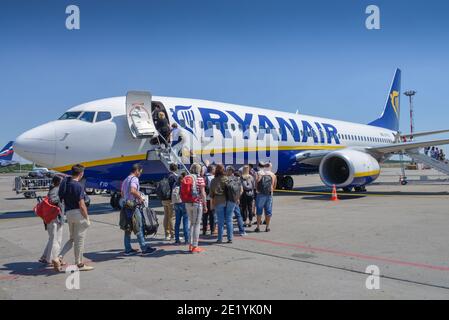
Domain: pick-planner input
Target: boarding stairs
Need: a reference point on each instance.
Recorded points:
(425, 159)
(167, 156)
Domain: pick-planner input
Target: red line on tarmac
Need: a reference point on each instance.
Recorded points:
(349, 254)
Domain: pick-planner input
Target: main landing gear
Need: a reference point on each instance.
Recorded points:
(115, 201)
(285, 183)
(356, 189)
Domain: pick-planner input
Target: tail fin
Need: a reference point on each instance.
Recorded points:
(390, 117)
(7, 152)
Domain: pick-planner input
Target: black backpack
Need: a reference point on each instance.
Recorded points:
(264, 186)
(150, 222)
(233, 189)
(163, 190)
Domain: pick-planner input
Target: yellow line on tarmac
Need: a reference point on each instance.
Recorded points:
(359, 194)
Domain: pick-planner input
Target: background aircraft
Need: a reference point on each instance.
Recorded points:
(6, 155)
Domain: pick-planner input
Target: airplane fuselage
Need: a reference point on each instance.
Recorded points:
(219, 132)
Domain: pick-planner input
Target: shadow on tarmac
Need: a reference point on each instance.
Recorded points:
(29, 269)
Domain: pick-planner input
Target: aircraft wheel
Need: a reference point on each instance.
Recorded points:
(347, 189)
(288, 183)
(115, 201)
(97, 192)
(279, 183)
(404, 182)
(360, 189)
(30, 195)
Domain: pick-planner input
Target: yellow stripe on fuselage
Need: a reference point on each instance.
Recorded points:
(96, 163)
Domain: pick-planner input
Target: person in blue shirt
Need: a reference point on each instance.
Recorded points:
(72, 194)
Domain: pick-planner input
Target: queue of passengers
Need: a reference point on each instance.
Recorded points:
(209, 198)
(435, 153)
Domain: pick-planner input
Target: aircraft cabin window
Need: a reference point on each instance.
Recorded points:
(103, 116)
(225, 125)
(210, 125)
(70, 116)
(201, 124)
(233, 126)
(240, 127)
(217, 125)
(182, 122)
(255, 129)
(88, 117)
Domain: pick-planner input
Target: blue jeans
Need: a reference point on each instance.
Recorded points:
(140, 236)
(181, 213)
(264, 202)
(224, 215)
(238, 214)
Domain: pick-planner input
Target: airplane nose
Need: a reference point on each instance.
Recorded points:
(38, 145)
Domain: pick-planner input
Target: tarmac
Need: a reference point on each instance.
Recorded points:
(317, 249)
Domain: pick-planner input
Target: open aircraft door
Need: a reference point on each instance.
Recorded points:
(139, 115)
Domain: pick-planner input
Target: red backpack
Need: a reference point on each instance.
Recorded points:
(47, 211)
(189, 190)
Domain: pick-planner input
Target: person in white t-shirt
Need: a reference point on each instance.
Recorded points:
(176, 138)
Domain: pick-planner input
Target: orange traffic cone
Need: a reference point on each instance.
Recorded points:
(334, 194)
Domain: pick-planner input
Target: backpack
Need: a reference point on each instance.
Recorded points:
(248, 187)
(163, 190)
(233, 189)
(208, 179)
(189, 190)
(264, 186)
(176, 194)
(150, 222)
(47, 211)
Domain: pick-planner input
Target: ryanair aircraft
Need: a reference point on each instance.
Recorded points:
(108, 136)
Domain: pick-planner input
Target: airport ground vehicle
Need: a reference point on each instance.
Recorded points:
(30, 186)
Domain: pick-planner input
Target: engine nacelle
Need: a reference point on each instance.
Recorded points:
(348, 168)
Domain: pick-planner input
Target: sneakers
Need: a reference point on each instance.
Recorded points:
(167, 238)
(268, 230)
(219, 241)
(242, 234)
(148, 251)
(132, 252)
(257, 230)
(197, 250)
(83, 267)
(229, 241)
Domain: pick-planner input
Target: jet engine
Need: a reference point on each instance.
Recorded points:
(348, 168)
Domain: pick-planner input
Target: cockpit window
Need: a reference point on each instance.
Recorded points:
(70, 116)
(88, 117)
(103, 116)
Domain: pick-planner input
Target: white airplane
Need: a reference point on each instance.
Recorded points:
(108, 136)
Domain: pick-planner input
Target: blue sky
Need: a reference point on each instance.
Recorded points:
(315, 56)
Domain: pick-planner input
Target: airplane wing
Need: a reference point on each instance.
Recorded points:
(311, 157)
(422, 134)
(403, 147)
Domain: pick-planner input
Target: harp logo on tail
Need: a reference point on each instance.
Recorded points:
(394, 97)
